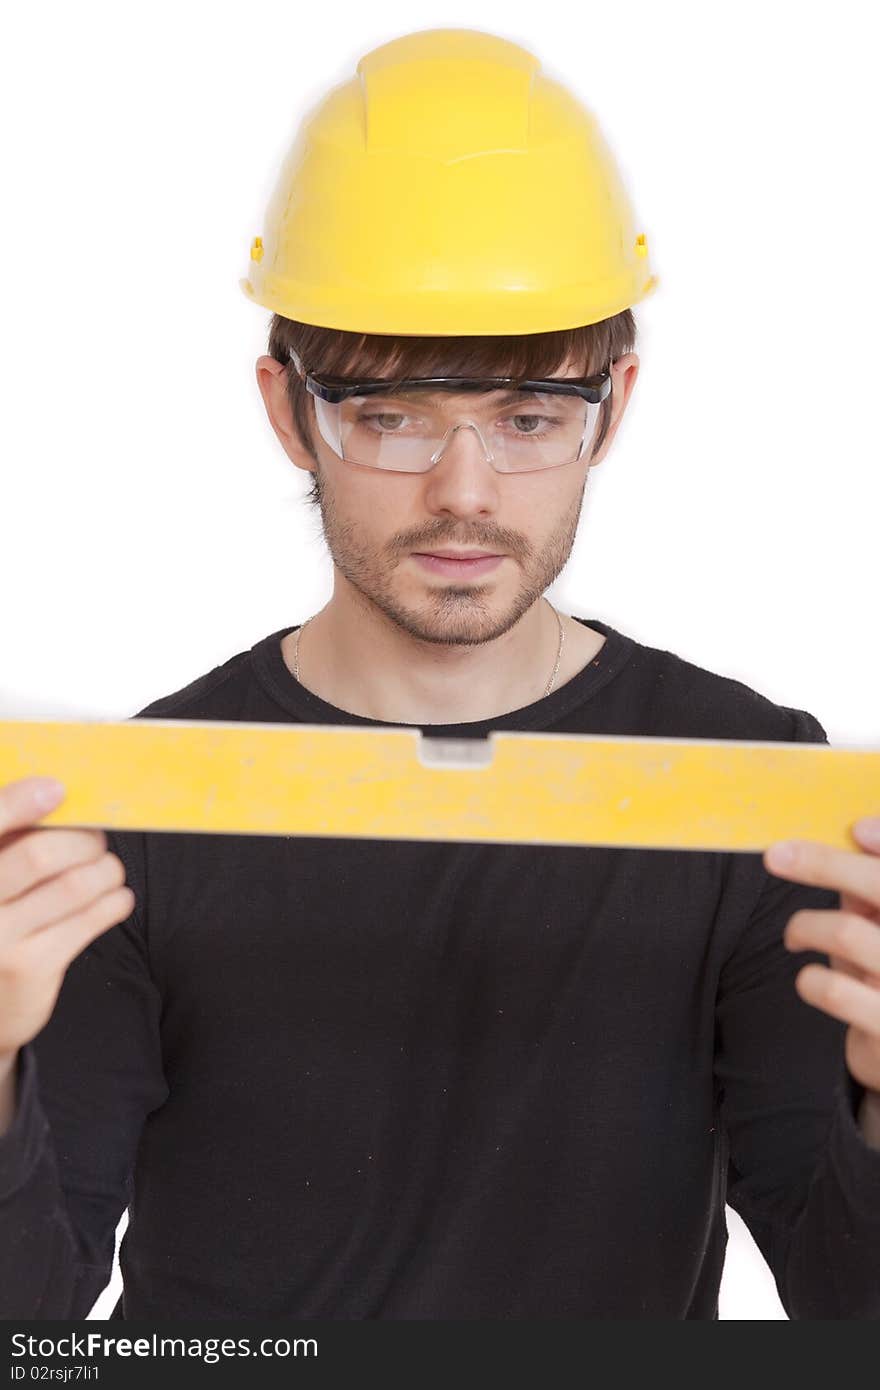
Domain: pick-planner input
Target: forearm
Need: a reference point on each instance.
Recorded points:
(869, 1118)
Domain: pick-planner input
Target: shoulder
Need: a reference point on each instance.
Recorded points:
(215, 694)
(686, 700)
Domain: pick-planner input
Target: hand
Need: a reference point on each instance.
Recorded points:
(848, 989)
(59, 889)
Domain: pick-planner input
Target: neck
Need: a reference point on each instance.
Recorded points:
(358, 660)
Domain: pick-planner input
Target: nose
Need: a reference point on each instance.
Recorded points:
(463, 481)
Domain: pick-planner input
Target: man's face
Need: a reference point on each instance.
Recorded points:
(373, 521)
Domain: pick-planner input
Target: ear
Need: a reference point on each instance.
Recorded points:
(272, 381)
(623, 379)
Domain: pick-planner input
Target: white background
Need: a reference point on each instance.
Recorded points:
(152, 526)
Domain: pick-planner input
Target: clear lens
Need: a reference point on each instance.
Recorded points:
(522, 430)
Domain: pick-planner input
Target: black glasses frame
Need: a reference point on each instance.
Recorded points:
(334, 389)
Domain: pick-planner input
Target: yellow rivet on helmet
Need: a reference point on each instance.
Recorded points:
(449, 188)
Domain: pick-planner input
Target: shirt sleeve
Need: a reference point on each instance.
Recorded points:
(800, 1172)
(85, 1085)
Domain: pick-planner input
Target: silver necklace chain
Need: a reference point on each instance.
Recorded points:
(546, 692)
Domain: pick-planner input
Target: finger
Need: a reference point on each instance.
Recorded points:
(841, 934)
(862, 1053)
(850, 902)
(62, 896)
(840, 996)
(31, 856)
(825, 866)
(28, 800)
(60, 944)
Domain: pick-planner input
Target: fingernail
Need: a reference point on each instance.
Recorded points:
(868, 830)
(781, 855)
(48, 791)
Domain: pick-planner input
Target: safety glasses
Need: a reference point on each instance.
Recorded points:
(403, 425)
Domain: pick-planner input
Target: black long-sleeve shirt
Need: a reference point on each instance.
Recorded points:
(359, 1078)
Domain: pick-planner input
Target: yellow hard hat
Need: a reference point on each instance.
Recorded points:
(449, 189)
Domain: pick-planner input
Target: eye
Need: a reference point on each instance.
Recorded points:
(382, 417)
(550, 422)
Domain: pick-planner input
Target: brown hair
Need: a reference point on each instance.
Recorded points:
(337, 352)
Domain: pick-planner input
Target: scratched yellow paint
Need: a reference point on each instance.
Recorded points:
(356, 782)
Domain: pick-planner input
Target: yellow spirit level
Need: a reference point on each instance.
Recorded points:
(396, 784)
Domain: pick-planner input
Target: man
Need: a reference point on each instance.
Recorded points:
(358, 1078)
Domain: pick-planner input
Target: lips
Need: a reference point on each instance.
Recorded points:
(460, 554)
(458, 568)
